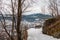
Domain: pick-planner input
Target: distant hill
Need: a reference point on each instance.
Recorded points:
(35, 17)
(29, 18)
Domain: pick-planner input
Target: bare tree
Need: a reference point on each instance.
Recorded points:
(53, 7)
(17, 8)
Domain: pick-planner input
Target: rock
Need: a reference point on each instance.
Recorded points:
(38, 26)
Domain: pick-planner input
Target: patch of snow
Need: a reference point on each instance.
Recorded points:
(37, 19)
(36, 34)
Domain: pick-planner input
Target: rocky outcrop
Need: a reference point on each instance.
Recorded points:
(52, 27)
(38, 26)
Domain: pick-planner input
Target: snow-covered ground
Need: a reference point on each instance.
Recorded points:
(36, 34)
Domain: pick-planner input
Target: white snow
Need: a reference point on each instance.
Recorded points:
(36, 34)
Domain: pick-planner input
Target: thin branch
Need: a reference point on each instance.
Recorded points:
(4, 25)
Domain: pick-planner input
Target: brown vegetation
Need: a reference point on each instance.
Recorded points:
(52, 27)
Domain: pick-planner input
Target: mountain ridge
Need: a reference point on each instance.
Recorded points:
(32, 17)
(29, 18)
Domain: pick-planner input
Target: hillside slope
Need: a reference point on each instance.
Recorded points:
(52, 27)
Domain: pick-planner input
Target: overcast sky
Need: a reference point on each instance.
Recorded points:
(35, 7)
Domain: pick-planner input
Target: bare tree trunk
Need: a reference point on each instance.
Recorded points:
(19, 15)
